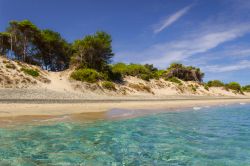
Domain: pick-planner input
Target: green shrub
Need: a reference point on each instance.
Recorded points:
(32, 72)
(119, 68)
(185, 73)
(87, 75)
(194, 88)
(114, 75)
(206, 87)
(136, 70)
(215, 83)
(246, 88)
(234, 86)
(146, 77)
(160, 73)
(174, 80)
(108, 85)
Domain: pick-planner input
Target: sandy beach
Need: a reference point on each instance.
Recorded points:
(54, 109)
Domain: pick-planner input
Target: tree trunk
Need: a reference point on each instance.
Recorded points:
(11, 45)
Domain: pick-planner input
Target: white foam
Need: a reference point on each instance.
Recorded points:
(54, 119)
(197, 108)
(242, 103)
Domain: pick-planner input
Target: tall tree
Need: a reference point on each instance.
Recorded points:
(94, 51)
(4, 43)
(54, 50)
(22, 35)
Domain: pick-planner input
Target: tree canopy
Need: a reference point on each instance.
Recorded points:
(24, 41)
(93, 51)
(186, 73)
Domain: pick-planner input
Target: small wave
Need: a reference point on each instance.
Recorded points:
(197, 108)
(54, 119)
(124, 114)
(242, 103)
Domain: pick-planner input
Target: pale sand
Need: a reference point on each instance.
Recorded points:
(14, 110)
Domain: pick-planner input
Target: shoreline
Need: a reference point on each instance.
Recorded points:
(15, 109)
(110, 100)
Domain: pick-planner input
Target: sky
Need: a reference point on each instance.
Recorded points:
(213, 35)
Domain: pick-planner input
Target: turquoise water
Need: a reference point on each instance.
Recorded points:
(209, 136)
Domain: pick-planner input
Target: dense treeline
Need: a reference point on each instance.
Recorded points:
(90, 56)
(27, 43)
(235, 86)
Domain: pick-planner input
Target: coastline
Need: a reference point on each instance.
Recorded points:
(15, 109)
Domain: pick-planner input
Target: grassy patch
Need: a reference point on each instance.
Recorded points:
(174, 80)
(234, 86)
(215, 83)
(206, 87)
(193, 88)
(246, 88)
(32, 72)
(87, 75)
(108, 85)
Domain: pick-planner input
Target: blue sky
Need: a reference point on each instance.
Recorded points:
(211, 34)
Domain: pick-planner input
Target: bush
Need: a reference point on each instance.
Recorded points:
(114, 75)
(194, 88)
(145, 72)
(174, 80)
(108, 85)
(87, 75)
(34, 73)
(159, 73)
(246, 88)
(185, 73)
(234, 86)
(215, 83)
(120, 68)
(206, 87)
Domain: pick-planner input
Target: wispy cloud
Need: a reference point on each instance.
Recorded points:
(245, 64)
(162, 54)
(171, 19)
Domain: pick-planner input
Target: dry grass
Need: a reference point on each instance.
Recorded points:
(140, 87)
(11, 75)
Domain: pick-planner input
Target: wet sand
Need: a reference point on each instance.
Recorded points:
(59, 109)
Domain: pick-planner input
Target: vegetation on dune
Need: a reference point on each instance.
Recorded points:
(140, 87)
(174, 80)
(234, 86)
(93, 51)
(25, 42)
(4, 42)
(246, 88)
(91, 58)
(87, 75)
(145, 72)
(108, 85)
(32, 72)
(185, 73)
(215, 83)
(10, 66)
(206, 87)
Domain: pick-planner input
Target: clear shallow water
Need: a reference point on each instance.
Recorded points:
(210, 136)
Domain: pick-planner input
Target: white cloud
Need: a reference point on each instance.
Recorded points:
(245, 64)
(162, 54)
(171, 19)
